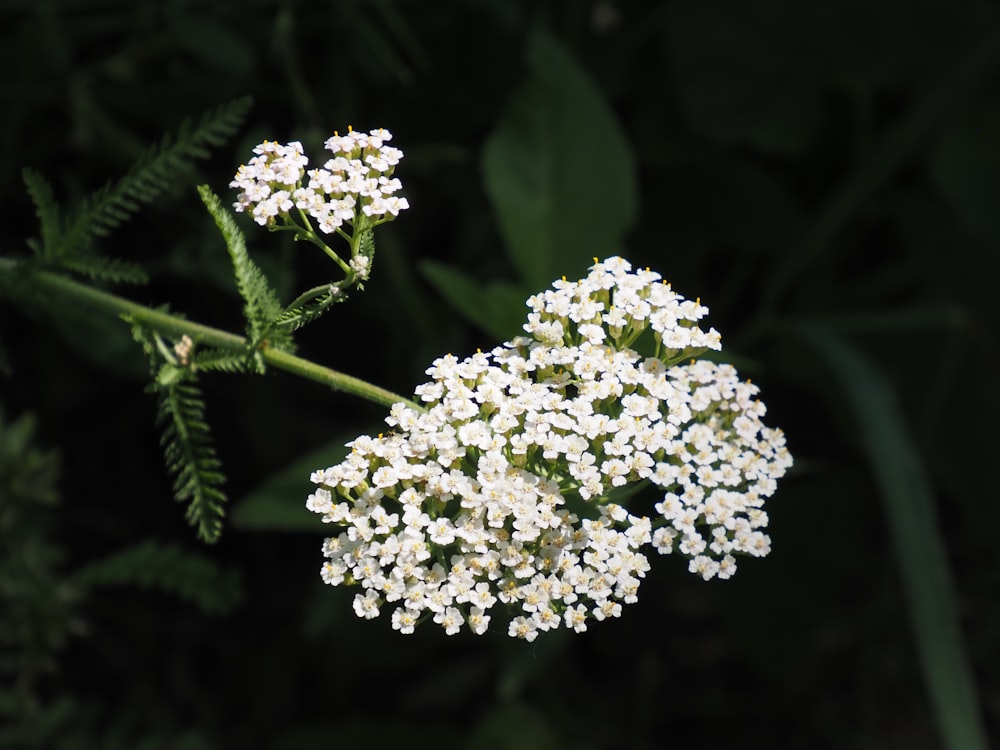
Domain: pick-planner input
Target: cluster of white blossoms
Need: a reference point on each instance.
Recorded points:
(356, 181)
(509, 487)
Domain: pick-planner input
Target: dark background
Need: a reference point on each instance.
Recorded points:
(815, 173)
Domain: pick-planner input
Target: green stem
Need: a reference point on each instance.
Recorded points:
(168, 324)
(304, 231)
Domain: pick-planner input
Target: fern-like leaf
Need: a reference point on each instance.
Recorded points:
(149, 177)
(190, 456)
(187, 440)
(188, 575)
(47, 211)
(106, 269)
(261, 304)
(218, 360)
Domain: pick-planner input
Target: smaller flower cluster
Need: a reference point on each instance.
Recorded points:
(356, 182)
(507, 487)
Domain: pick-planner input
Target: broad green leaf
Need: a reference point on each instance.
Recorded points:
(559, 171)
(908, 502)
(496, 307)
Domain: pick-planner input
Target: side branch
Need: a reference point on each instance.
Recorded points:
(173, 325)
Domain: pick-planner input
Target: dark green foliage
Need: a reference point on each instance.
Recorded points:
(188, 575)
(35, 601)
(42, 608)
(68, 724)
(42, 727)
(68, 242)
(27, 475)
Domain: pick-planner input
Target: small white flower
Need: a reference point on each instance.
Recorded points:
(479, 621)
(357, 181)
(366, 605)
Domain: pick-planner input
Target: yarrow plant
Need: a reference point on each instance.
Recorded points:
(512, 486)
(508, 487)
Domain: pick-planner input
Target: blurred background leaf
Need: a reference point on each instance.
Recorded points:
(561, 178)
(556, 157)
(908, 503)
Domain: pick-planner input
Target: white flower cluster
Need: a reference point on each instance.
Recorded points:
(508, 487)
(357, 180)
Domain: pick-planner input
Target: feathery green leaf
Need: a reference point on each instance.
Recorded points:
(109, 207)
(262, 306)
(217, 360)
(187, 440)
(190, 456)
(47, 211)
